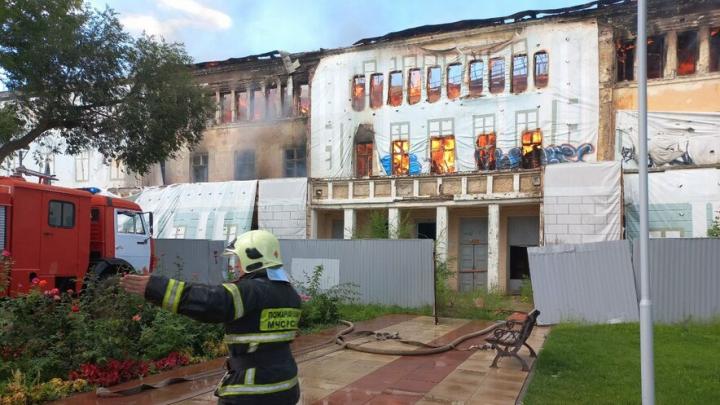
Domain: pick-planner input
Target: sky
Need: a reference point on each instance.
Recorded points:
(222, 29)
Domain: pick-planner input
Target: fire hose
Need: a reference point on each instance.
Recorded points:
(339, 339)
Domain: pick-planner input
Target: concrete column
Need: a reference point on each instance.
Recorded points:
(263, 88)
(671, 55)
(289, 106)
(217, 107)
(349, 223)
(314, 224)
(393, 222)
(441, 234)
(493, 275)
(703, 65)
(233, 106)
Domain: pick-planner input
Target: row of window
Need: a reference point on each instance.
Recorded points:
(259, 105)
(293, 165)
(82, 168)
(443, 145)
(687, 53)
(454, 74)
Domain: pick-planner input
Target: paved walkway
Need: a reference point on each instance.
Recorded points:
(332, 376)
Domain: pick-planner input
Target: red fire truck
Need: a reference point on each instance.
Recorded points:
(60, 234)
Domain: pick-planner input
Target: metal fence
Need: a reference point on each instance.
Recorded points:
(599, 283)
(390, 272)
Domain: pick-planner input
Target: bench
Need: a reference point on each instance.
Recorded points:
(510, 338)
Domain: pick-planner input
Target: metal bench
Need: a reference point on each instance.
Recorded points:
(508, 340)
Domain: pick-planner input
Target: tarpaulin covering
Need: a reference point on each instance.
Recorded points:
(282, 207)
(683, 203)
(566, 111)
(215, 211)
(674, 138)
(582, 202)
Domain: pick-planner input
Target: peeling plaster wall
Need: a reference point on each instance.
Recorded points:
(567, 109)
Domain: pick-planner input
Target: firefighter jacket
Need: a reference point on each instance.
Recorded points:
(261, 318)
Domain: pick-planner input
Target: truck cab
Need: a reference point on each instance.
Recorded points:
(58, 234)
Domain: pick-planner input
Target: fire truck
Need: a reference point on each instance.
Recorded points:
(62, 235)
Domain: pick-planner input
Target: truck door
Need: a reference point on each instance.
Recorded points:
(59, 240)
(132, 239)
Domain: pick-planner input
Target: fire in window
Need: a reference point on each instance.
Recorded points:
(363, 159)
(532, 149)
(242, 106)
(497, 75)
(655, 56)
(414, 86)
(476, 68)
(226, 107)
(715, 49)
(485, 147)
(442, 153)
(434, 82)
(358, 93)
(687, 52)
(273, 97)
(395, 91)
(376, 90)
(519, 73)
(625, 57)
(304, 99)
(454, 78)
(400, 157)
(542, 69)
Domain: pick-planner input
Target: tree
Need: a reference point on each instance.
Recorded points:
(714, 230)
(73, 72)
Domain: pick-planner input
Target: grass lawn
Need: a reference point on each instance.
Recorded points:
(600, 364)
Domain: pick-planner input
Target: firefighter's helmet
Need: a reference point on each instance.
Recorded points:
(256, 250)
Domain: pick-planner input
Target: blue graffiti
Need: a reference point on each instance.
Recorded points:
(511, 160)
(415, 166)
(567, 153)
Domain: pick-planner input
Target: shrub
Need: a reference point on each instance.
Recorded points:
(714, 230)
(320, 306)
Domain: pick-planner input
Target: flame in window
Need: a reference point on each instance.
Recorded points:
(395, 90)
(358, 93)
(414, 78)
(443, 154)
(532, 149)
(485, 146)
(400, 157)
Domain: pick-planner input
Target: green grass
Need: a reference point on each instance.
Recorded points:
(600, 364)
(363, 312)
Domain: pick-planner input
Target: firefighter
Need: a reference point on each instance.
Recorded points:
(260, 311)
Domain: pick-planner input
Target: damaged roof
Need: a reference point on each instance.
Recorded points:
(527, 15)
(262, 59)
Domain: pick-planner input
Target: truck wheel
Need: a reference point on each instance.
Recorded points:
(102, 274)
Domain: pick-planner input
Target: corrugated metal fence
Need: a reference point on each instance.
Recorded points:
(598, 283)
(390, 272)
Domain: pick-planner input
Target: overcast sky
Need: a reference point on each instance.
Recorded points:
(221, 29)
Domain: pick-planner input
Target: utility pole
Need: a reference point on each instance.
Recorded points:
(647, 367)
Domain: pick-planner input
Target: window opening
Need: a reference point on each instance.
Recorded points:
(542, 69)
(497, 75)
(655, 56)
(454, 80)
(358, 93)
(273, 98)
(258, 104)
(226, 108)
(376, 90)
(245, 165)
(687, 52)
(400, 157)
(414, 86)
(242, 106)
(625, 57)
(434, 83)
(532, 149)
(304, 102)
(715, 49)
(395, 91)
(486, 142)
(520, 73)
(476, 69)
(129, 222)
(61, 214)
(200, 167)
(442, 146)
(82, 166)
(295, 162)
(363, 159)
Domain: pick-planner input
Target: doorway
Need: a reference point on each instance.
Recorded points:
(523, 232)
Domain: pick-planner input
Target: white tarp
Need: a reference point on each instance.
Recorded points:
(566, 110)
(683, 203)
(282, 207)
(214, 211)
(582, 202)
(674, 138)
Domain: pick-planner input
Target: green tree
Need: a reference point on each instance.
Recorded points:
(714, 230)
(73, 72)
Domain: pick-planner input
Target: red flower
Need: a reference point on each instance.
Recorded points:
(5, 253)
(35, 280)
(54, 291)
(75, 308)
(136, 318)
(42, 283)
(56, 297)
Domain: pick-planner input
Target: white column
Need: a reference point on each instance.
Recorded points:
(703, 63)
(393, 222)
(349, 223)
(441, 234)
(493, 275)
(313, 224)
